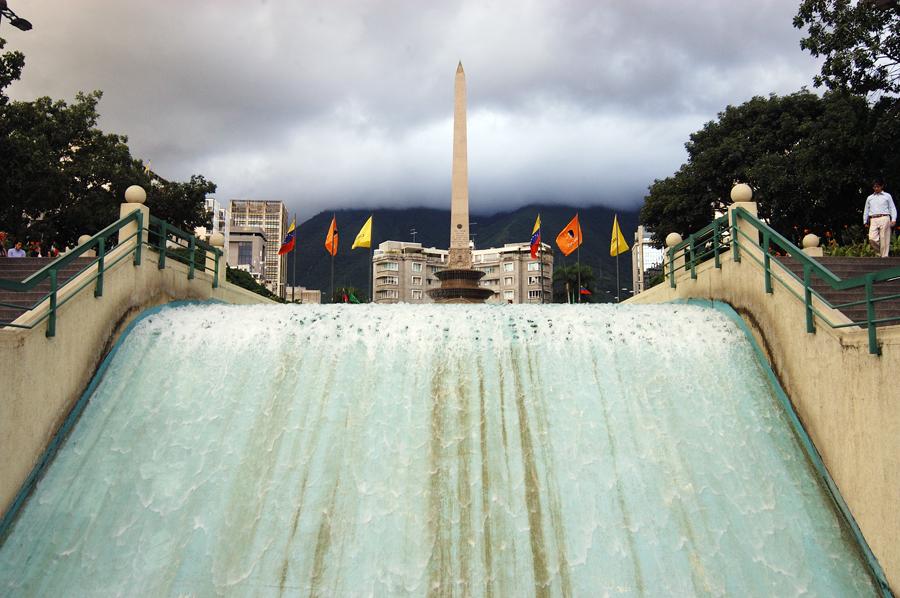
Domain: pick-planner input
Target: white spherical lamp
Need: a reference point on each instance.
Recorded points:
(217, 240)
(135, 194)
(83, 239)
(810, 240)
(673, 239)
(741, 193)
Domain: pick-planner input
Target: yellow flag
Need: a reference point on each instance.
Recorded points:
(617, 245)
(364, 237)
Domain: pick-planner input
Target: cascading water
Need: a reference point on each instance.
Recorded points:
(417, 450)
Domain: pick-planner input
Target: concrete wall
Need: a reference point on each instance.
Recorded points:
(42, 378)
(847, 399)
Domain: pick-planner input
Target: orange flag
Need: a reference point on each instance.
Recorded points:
(570, 237)
(331, 241)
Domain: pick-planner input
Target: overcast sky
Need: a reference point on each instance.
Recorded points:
(336, 104)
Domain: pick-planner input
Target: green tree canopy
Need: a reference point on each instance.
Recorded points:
(808, 159)
(860, 41)
(62, 177)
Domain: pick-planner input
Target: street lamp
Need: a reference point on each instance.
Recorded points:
(14, 19)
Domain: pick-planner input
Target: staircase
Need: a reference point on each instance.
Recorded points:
(18, 269)
(853, 267)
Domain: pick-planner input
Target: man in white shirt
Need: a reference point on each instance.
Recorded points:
(880, 214)
(16, 251)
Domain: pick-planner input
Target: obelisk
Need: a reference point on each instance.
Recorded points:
(459, 282)
(460, 254)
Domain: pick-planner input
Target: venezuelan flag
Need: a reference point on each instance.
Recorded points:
(536, 237)
(289, 239)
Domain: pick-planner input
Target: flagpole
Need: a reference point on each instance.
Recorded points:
(541, 257)
(332, 252)
(578, 256)
(618, 299)
(371, 257)
(294, 273)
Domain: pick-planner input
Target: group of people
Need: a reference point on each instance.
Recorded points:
(19, 249)
(880, 214)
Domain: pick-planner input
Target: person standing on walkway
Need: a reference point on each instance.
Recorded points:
(880, 214)
(16, 251)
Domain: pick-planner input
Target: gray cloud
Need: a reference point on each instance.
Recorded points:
(329, 104)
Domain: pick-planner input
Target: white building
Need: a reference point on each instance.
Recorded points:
(217, 221)
(404, 272)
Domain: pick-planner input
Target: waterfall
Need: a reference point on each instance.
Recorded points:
(450, 450)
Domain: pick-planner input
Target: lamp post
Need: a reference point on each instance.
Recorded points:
(14, 19)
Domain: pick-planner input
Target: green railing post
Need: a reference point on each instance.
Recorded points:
(162, 244)
(807, 298)
(716, 243)
(735, 242)
(216, 272)
(51, 321)
(101, 255)
(693, 257)
(672, 267)
(767, 262)
(192, 249)
(139, 242)
(870, 315)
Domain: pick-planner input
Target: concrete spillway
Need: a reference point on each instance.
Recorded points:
(416, 450)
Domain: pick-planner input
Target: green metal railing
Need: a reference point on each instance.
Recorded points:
(169, 241)
(714, 239)
(710, 241)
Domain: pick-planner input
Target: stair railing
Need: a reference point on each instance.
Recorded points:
(169, 241)
(97, 244)
(711, 240)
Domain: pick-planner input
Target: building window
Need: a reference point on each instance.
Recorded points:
(245, 253)
(416, 293)
(389, 294)
(508, 281)
(417, 267)
(508, 266)
(393, 266)
(534, 280)
(509, 295)
(392, 280)
(417, 281)
(534, 266)
(534, 295)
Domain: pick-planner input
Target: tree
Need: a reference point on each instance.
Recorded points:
(11, 65)
(807, 159)
(565, 281)
(62, 177)
(859, 40)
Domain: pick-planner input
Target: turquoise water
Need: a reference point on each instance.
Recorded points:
(446, 450)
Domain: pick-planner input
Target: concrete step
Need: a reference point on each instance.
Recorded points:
(853, 267)
(18, 269)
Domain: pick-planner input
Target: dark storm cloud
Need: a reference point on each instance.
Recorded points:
(337, 103)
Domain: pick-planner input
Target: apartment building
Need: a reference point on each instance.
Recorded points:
(272, 217)
(403, 272)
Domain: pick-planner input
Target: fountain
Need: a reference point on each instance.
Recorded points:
(419, 450)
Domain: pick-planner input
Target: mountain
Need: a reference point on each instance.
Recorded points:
(433, 230)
